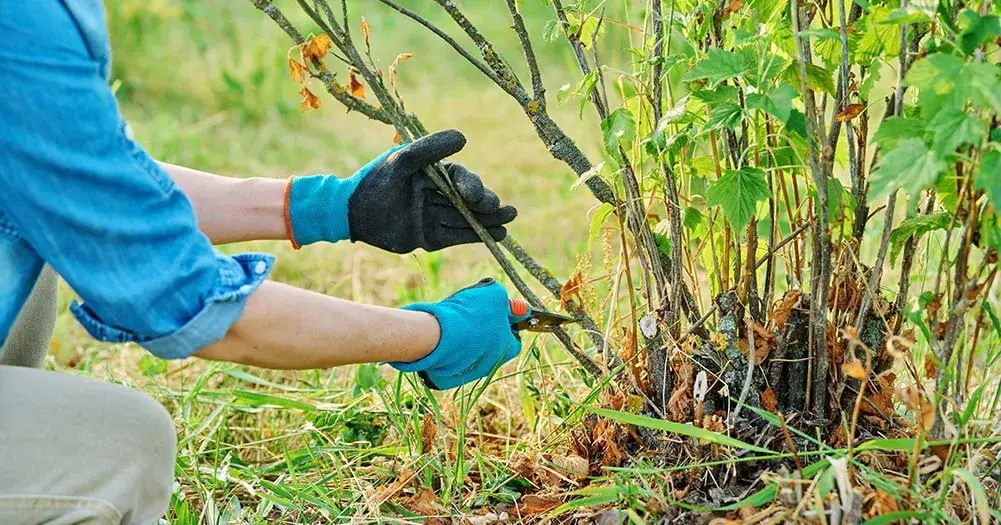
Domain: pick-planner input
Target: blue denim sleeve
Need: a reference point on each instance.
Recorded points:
(94, 205)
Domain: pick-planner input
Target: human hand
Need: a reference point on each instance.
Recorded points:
(390, 203)
(476, 336)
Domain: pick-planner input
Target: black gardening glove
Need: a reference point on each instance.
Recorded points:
(392, 204)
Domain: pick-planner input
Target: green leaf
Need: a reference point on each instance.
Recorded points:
(971, 406)
(953, 128)
(916, 227)
(936, 73)
(716, 96)
(693, 217)
(905, 15)
(989, 177)
(564, 94)
(738, 193)
(910, 166)
(725, 115)
(717, 66)
(817, 78)
(895, 129)
(979, 29)
(777, 102)
(979, 494)
(617, 129)
(982, 81)
(676, 428)
(598, 219)
(901, 516)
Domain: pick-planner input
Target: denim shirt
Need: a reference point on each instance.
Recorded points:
(78, 193)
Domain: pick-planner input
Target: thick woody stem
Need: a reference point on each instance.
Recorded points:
(820, 274)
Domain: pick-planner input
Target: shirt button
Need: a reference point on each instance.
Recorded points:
(260, 267)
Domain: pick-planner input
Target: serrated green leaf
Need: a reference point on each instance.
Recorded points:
(905, 15)
(978, 29)
(910, 166)
(693, 217)
(716, 96)
(717, 66)
(618, 128)
(725, 115)
(989, 177)
(953, 128)
(895, 129)
(981, 81)
(916, 227)
(936, 73)
(777, 102)
(738, 193)
(817, 78)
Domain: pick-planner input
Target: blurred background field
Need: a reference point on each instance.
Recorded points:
(205, 84)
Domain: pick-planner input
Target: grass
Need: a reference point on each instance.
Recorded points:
(204, 84)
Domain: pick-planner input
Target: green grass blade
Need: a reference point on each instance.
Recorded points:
(676, 428)
(979, 494)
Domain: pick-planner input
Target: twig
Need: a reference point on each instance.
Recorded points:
(749, 377)
(448, 40)
(339, 92)
(538, 88)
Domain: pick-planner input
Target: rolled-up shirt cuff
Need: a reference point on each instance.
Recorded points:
(238, 277)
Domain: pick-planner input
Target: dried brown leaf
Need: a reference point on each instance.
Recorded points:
(572, 464)
(768, 400)
(309, 100)
(424, 502)
(366, 30)
(931, 369)
(851, 111)
(571, 290)
(357, 88)
(854, 369)
(916, 401)
(535, 504)
(401, 57)
(296, 70)
(316, 48)
(428, 432)
(784, 308)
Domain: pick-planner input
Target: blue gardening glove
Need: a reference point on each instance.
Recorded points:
(476, 336)
(390, 203)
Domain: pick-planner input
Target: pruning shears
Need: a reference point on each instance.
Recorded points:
(537, 320)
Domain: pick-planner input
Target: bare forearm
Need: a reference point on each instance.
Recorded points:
(284, 327)
(231, 209)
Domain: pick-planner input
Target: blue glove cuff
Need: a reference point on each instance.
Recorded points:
(318, 204)
(318, 208)
(435, 357)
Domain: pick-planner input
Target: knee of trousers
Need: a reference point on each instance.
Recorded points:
(72, 437)
(145, 467)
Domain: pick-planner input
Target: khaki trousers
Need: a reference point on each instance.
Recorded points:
(75, 450)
